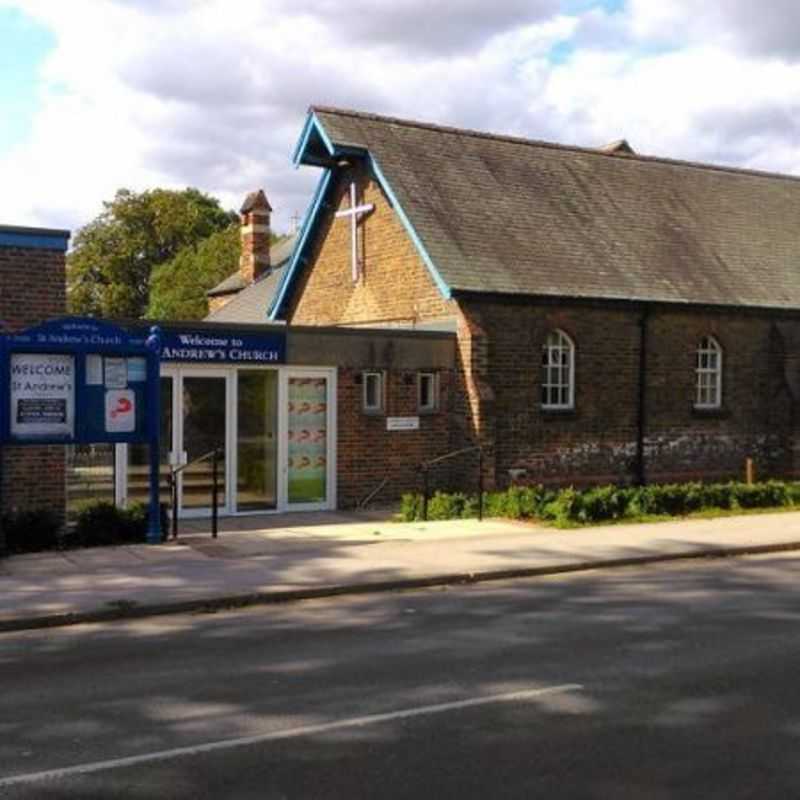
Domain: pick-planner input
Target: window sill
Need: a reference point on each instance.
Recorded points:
(558, 413)
(372, 412)
(710, 413)
(427, 412)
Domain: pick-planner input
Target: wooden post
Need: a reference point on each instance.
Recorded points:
(480, 484)
(749, 472)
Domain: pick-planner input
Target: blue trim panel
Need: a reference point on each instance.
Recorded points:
(446, 291)
(308, 224)
(34, 241)
(312, 125)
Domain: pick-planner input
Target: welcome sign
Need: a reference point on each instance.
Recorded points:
(42, 390)
(223, 347)
(79, 380)
(76, 380)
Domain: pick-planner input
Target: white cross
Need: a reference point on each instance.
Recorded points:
(353, 212)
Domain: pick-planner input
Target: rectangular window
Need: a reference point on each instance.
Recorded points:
(708, 374)
(427, 399)
(558, 375)
(372, 392)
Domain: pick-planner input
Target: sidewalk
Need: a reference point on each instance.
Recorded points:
(307, 556)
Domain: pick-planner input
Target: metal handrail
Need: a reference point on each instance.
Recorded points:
(204, 457)
(426, 465)
(172, 482)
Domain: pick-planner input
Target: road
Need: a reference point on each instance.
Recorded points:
(659, 682)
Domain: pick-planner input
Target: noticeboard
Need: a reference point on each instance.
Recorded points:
(76, 380)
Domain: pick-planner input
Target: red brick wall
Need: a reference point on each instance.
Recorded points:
(32, 289)
(367, 453)
(395, 285)
(496, 386)
(597, 441)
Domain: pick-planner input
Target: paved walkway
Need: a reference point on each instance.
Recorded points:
(315, 554)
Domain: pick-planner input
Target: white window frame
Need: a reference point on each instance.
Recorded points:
(556, 344)
(708, 374)
(367, 408)
(434, 404)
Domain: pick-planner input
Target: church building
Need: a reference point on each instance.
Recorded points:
(617, 317)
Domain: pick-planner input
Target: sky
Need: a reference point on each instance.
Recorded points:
(96, 95)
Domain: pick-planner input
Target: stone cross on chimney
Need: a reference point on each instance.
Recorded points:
(255, 232)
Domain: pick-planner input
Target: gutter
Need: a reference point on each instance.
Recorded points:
(641, 408)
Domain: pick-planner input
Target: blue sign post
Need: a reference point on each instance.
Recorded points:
(80, 381)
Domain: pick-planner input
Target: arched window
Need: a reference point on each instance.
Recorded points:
(708, 374)
(558, 371)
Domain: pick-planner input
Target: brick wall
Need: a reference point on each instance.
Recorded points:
(367, 453)
(32, 289)
(597, 441)
(496, 389)
(394, 286)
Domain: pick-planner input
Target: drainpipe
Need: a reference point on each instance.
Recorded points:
(641, 414)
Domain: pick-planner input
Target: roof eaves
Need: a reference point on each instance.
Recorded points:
(631, 158)
(309, 223)
(311, 126)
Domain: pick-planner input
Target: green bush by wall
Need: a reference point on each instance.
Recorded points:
(605, 503)
(100, 522)
(29, 531)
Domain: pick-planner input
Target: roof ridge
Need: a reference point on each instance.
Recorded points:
(629, 157)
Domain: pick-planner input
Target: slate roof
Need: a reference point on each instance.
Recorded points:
(233, 283)
(501, 214)
(252, 301)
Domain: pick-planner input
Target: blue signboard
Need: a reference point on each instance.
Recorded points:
(223, 347)
(76, 380)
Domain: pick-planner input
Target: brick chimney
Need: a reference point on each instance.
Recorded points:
(254, 261)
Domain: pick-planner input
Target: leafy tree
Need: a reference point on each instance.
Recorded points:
(178, 287)
(109, 268)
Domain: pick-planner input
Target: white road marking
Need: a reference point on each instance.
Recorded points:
(290, 733)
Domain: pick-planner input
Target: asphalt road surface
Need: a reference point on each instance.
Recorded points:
(660, 682)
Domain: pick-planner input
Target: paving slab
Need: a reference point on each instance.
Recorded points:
(337, 554)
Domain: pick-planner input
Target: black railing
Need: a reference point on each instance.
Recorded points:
(425, 468)
(215, 456)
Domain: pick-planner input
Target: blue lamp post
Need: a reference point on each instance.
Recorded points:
(153, 345)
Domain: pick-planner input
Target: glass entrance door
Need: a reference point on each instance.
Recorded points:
(309, 445)
(204, 404)
(275, 429)
(256, 440)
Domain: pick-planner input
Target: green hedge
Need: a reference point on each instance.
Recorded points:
(29, 531)
(605, 503)
(99, 523)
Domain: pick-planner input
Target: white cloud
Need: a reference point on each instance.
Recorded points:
(143, 93)
(764, 29)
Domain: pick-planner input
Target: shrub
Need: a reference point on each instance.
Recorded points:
(100, 523)
(446, 506)
(763, 495)
(411, 507)
(605, 503)
(30, 531)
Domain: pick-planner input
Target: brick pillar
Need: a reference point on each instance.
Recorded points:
(474, 409)
(255, 232)
(32, 289)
